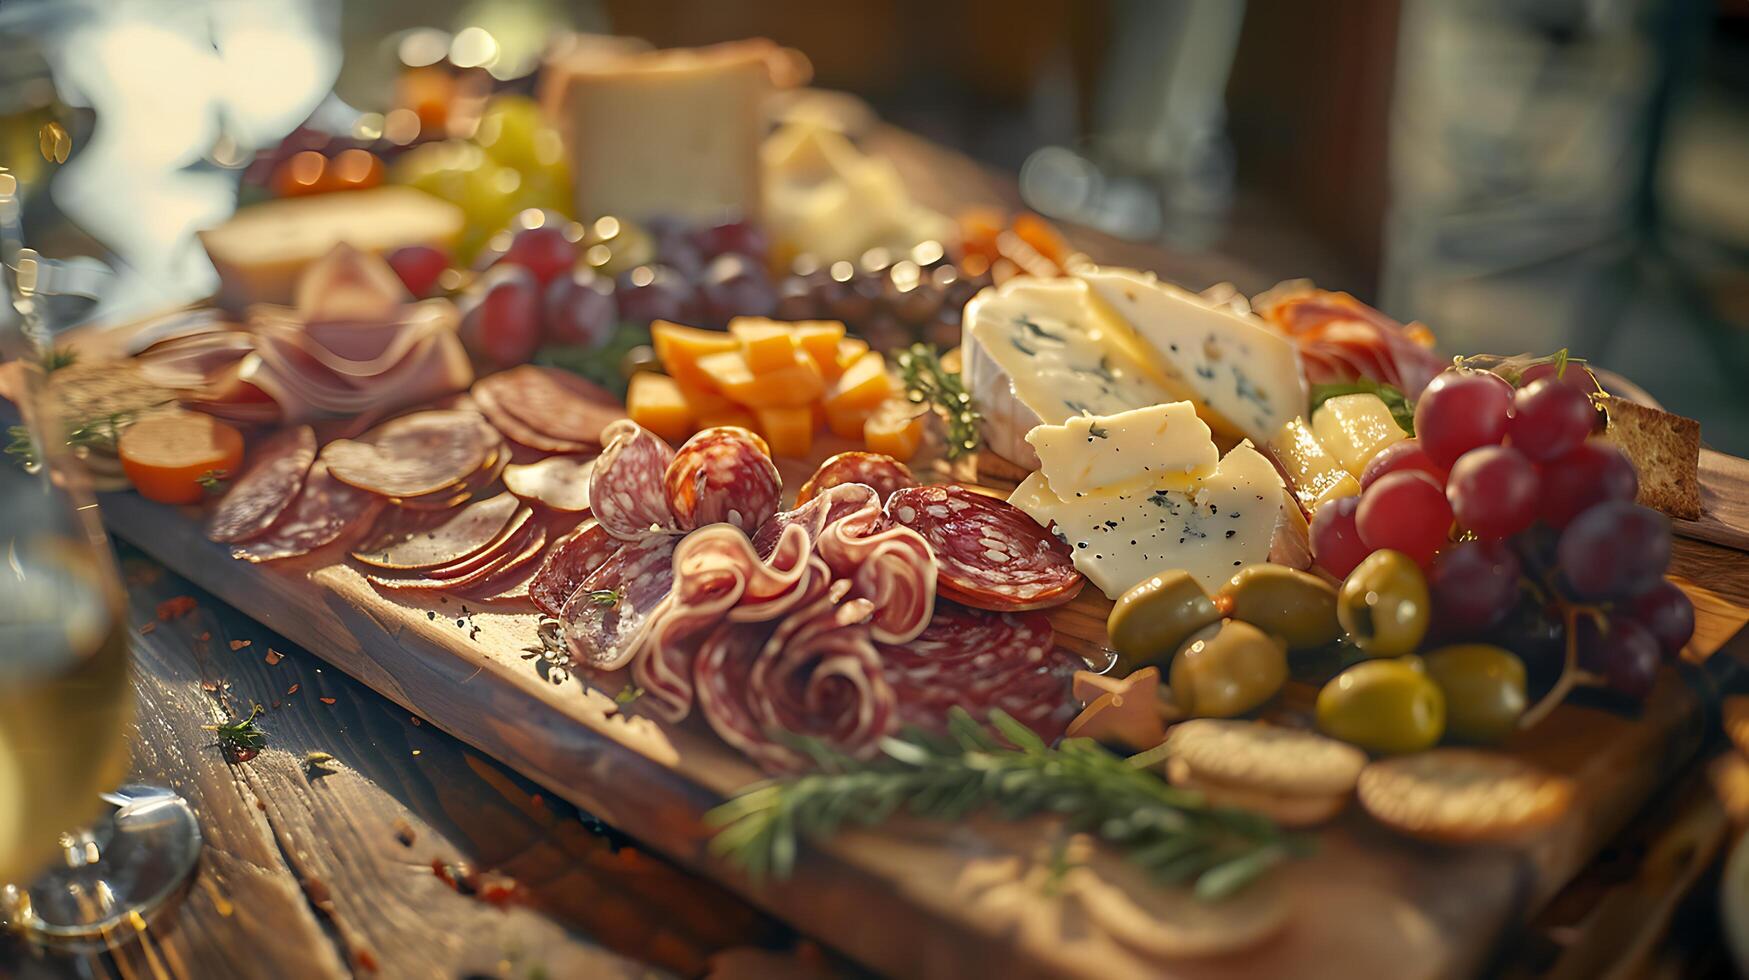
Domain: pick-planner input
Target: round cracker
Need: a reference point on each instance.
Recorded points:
(1286, 809)
(414, 455)
(1462, 796)
(1270, 759)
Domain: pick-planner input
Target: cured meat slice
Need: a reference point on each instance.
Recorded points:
(508, 577)
(506, 540)
(451, 497)
(989, 554)
(626, 490)
(606, 618)
(573, 559)
(884, 473)
(723, 475)
(266, 488)
(513, 428)
(977, 661)
(890, 564)
(456, 537)
(558, 482)
(474, 570)
(415, 454)
(555, 403)
(324, 511)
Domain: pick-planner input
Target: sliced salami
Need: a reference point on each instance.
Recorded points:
(557, 404)
(989, 554)
(266, 488)
(473, 487)
(723, 475)
(884, 473)
(324, 511)
(605, 619)
(559, 482)
(413, 455)
(513, 428)
(475, 568)
(458, 536)
(509, 577)
(572, 560)
(626, 489)
(978, 661)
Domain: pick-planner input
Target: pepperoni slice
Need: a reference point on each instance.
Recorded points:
(413, 455)
(324, 511)
(267, 488)
(884, 473)
(574, 558)
(513, 428)
(723, 475)
(989, 554)
(626, 491)
(457, 536)
(555, 403)
(559, 482)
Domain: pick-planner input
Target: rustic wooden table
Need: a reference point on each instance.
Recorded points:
(337, 869)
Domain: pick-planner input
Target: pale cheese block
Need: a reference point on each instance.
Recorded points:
(262, 250)
(1040, 352)
(1244, 376)
(826, 198)
(1119, 537)
(1354, 428)
(1314, 475)
(1088, 452)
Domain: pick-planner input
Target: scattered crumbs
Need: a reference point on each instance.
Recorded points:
(404, 833)
(326, 700)
(212, 687)
(316, 762)
(203, 635)
(316, 890)
(276, 704)
(431, 614)
(147, 627)
(292, 690)
(536, 799)
(415, 720)
(240, 644)
(273, 656)
(261, 805)
(175, 607)
(365, 960)
(461, 623)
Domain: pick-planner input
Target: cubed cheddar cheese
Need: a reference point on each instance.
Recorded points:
(788, 387)
(864, 384)
(703, 400)
(847, 423)
(819, 340)
(849, 350)
(768, 346)
(896, 429)
(730, 415)
(789, 431)
(681, 348)
(656, 402)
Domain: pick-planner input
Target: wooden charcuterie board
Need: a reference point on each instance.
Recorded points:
(917, 899)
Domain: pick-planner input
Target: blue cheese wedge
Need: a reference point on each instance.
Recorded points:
(1120, 536)
(1244, 377)
(1088, 452)
(1041, 351)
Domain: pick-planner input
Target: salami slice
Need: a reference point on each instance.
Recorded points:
(573, 559)
(607, 616)
(989, 554)
(413, 455)
(558, 482)
(513, 428)
(626, 490)
(723, 475)
(266, 488)
(510, 575)
(884, 473)
(458, 536)
(978, 661)
(557, 404)
(324, 511)
(518, 536)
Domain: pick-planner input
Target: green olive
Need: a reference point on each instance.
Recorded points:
(1153, 619)
(1227, 670)
(1383, 605)
(1484, 690)
(1287, 602)
(1383, 706)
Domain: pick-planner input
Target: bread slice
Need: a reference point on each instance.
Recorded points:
(1665, 450)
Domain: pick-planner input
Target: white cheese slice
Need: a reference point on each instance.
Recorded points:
(1119, 537)
(1244, 376)
(1041, 351)
(1092, 451)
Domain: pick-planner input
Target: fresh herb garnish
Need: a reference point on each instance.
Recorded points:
(927, 382)
(1513, 368)
(603, 364)
(1176, 835)
(1402, 409)
(605, 597)
(212, 480)
(241, 737)
(56, 358)
(628, 694)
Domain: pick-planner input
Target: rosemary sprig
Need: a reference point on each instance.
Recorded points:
(1174, 834)
(100, 432)
(927, 382)
(56, 358)
(240, 736)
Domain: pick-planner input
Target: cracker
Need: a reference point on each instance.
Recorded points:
(1463, 796)
(1665, 451)
(1286, 809)
(1266, 758)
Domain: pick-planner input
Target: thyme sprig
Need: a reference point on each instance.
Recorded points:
(241, 736)
(100, 432)
(1174, 834)
(927, 382)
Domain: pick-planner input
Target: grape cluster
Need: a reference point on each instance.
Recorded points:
(1520, 518)
(891, 299)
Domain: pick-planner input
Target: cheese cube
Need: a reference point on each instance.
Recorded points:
(767, 344)
(1353, 428)
(1089, 452)
(847, 422)
(1315, 476)
(896, 429)
(846, 352)
(819, 340)
(795, 385)
(681, 347)
(789, 431)
(703, 400)
(655, 402)
(864, 384)
(732, 415)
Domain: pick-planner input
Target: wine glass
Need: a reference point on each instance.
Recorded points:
(66, 703)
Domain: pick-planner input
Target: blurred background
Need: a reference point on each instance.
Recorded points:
(1518, 174)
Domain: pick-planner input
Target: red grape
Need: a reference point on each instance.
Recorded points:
(580, 309)
(1460, 411)
(1493, 491)
(418, 267)
(1614, 550)
(1405, 511)
(1623, 651)
(1405, 455)
(1336, 545)
(1474, 585)
(1549, 419)
(1667, 613)
(1593, 473)
(655, 292)
(1575, 376)
(501, 318)
(735, 285)
(739, 237)
(547, 251)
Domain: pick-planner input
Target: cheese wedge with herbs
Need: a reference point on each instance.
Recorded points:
(1243, 375)
(1119, 536)
(1088, 452)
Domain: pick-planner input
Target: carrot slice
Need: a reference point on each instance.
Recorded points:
(167, 457)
